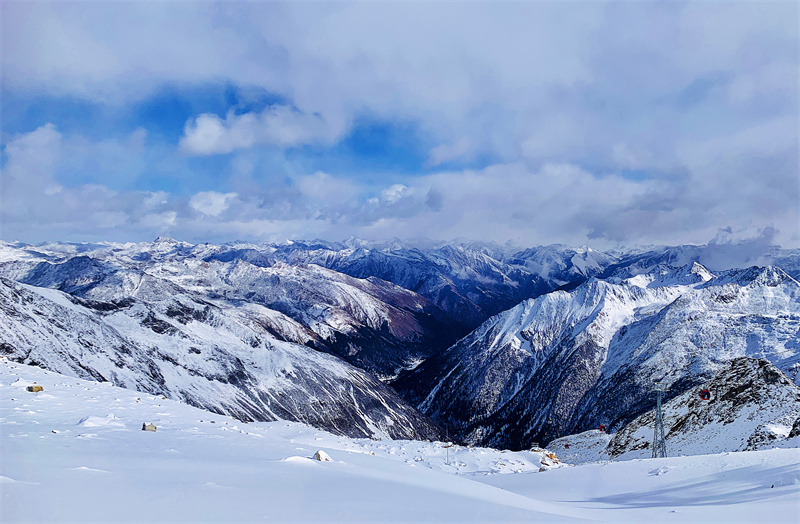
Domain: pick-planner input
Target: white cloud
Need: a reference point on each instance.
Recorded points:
(212, 203)
(769, 138)
(208, 135)
(552, 136)
(109, 219)
(557, 202)
(624, 156)
(121, 52)
(392, 194)
(542, 80)
(28, 172)
(278, 126)
(543, 87)
(36, 207)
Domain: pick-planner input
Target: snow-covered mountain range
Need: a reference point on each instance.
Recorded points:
(566, 362)
(202, 353)
(500, 345)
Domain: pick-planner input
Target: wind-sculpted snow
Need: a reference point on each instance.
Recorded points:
(466, 281)
(569, 361)
(371, 323)
(716, 257)
(202, 353)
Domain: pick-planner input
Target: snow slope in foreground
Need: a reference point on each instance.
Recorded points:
(76, 452)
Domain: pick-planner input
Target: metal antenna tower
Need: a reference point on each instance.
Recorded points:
(659, 439)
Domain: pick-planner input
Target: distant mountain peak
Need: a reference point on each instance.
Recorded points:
(165, 240)
(754, 276)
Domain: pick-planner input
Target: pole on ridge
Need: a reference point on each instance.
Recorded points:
(659, 439)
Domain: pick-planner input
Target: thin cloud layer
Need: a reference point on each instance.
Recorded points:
(601, 123)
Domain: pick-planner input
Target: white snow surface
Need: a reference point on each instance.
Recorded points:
(75, 452)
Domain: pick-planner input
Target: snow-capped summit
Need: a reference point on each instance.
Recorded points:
(165, 240)
(754, 276)
(663, 275)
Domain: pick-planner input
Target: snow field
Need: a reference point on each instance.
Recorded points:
(76, 453)
(78, 446)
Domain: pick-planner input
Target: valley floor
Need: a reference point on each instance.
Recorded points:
(75, 452)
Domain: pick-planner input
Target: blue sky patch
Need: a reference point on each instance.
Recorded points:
(163, 113)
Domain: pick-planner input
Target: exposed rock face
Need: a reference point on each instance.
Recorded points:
(448, 288)
(795, 431)
(567, 362)
(210, 355)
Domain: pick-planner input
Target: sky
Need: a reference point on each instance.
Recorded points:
(584, 123)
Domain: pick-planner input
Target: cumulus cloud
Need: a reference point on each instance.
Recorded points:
(740, 248)
(278, 126)
(159, 221)
(155, 199)
(322, 189)
(122, 52)
(543, 77)
(392, 194)
(624, 156)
